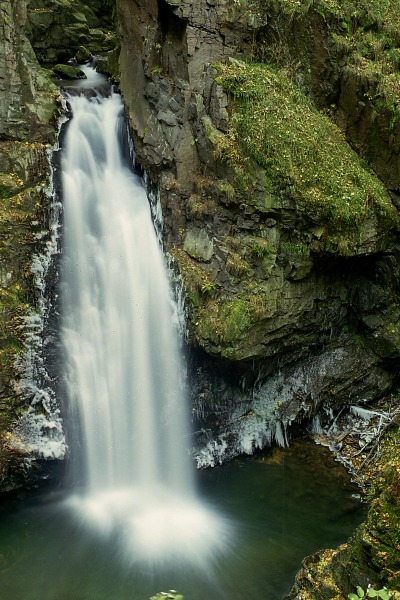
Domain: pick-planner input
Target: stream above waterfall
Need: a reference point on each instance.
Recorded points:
(284, 504)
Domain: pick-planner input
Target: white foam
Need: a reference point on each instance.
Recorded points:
(155, 525)
(124, 375)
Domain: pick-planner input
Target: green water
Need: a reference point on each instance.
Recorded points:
(283, 506)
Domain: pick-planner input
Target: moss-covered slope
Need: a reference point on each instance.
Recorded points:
(274, 124)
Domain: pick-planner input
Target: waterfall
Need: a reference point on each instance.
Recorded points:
(123, 368)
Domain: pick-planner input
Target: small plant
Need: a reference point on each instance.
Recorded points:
(292, 248)
(199, 206)
(208, 287)
(236, 265)
(262, 248)
(225, 321)
(172, 594)
(371, 593)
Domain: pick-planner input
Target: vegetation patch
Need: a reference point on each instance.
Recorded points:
(262, 248)
(274, 124)
(224, 321)
(201, 206)
(237, 266)
(21, 216)
(293, 249)
(358, 12)
(198, 284)
(367, 33)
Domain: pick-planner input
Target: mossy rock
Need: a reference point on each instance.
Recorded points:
(23, 171)
(83, 55)
(109, 63)
(198, 245)
(300, 150)
(68, 72)
(172, 595)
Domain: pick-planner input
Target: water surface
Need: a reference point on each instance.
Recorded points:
(282, 507)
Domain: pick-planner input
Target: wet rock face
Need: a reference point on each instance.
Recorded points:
(165, 46)
(267, 287)
(26, 103)
(377, 136)
(230, 420)
(28, 114)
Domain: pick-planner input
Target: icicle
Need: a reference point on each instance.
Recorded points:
(39, 430)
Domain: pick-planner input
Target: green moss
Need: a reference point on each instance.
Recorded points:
(380, 535)
(213, 134)
(292, 248)
(68, 72)
(224, 321)
(201, 205)
(274, 124)
(366, 33)
(83, 54)
(109, 63)
(197, 283)
(225, 188)
(21, 213)
(348, 12)
(373, 55)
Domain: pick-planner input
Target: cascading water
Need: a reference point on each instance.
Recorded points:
(136, 526)
(123, 370)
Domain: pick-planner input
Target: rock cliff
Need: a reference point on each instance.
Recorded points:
(280, 182)
(285, 236)
(57, 29)
(28, 115)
